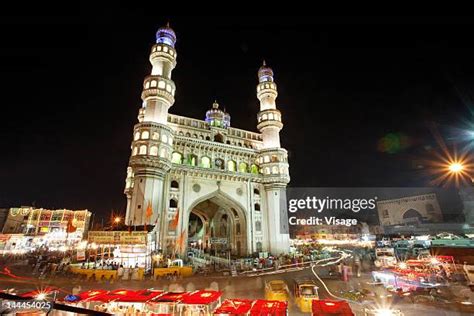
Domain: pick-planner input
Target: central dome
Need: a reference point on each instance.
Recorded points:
(216, 117)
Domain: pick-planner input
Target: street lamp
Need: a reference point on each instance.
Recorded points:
(456, 167)
(462, 170)
(117, 220)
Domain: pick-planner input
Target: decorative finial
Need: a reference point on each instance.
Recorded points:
(264, 63)
(215, 105)
(168, 24)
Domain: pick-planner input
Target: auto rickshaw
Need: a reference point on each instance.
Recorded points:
(277, 290)
(305, 291)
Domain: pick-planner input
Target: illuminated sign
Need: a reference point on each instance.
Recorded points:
(117, 237)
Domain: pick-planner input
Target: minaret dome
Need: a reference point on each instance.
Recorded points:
(265, 73)
(166, 35)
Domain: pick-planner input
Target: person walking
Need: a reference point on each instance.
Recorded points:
(357, 265)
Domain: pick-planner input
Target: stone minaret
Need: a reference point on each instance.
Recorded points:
(273, 162)
(152, 139)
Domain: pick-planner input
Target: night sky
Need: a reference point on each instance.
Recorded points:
(71, 90)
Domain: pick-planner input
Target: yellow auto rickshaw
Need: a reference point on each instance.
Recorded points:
(277, 290)
(305, 291)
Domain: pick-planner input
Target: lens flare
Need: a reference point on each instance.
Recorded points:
(456, 167)
(452, 169)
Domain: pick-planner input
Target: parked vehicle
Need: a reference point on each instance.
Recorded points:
(385, 257)
(305, 291)
(277, 290)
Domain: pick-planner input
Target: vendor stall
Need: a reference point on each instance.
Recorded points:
(15, 244)
(147, 302)
(264, 307)
(235, 307)
(129, 249)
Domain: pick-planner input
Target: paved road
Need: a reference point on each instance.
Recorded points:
(232, 287)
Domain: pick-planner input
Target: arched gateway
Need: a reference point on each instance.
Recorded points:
(216, 224)
(203, 184)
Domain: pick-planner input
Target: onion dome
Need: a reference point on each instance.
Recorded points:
(217, 117)
(166, 35)
(265, 73)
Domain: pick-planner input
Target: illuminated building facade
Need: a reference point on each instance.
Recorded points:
(203, 182)
(39, 221)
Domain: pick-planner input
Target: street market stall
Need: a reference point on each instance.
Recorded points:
(147, 302)
(235, 307)
(245, 307)
(264, 307)
(15, 244)
(114, 255)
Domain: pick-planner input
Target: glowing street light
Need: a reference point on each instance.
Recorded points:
(457, 170)
(456, 167)
(117, 220)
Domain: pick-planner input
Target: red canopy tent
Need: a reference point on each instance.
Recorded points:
(203, 297)
(331, 308)
(264, 307)
(173, 297)
(120, 295)
(234, 307)
(91, 293)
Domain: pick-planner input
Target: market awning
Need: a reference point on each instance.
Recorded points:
(123, 295)
(264, 307)
(171, 297)
(201, 297)
(85, 296)
(234, 306)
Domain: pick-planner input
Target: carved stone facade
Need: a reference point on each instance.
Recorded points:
(409, 210)
(202, 183)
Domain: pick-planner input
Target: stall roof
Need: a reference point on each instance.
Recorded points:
(264, 307)
(201, 297)
(87, 295)
(120, 295)
(234, 306)
(331, 307)
(173, 297)
(140, 296)
(409, 273)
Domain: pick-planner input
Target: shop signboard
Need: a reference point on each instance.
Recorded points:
(117, 237)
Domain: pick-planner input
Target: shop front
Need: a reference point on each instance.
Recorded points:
(15, 244)
(129, 249)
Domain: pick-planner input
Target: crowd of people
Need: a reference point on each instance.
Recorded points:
(50, 265)
(102, 265)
